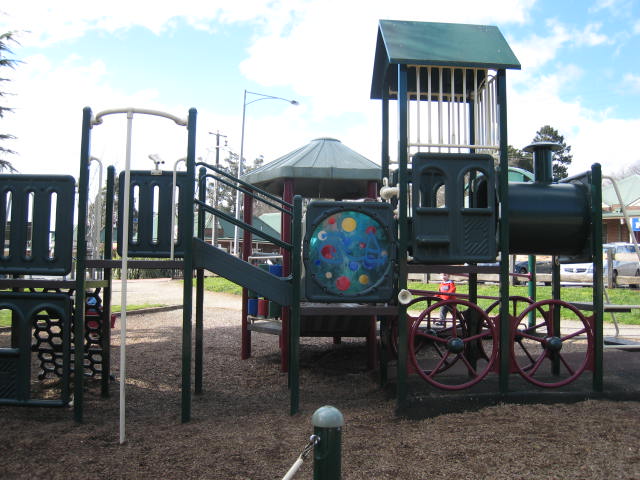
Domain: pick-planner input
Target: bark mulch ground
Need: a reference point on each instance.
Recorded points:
(241, 428)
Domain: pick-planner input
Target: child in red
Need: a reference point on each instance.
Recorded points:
(447, 287)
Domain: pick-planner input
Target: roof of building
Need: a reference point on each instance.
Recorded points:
(229, 229)
(629, 188)
(324, 168)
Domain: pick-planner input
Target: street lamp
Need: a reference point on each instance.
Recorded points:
(244, 109)
(214, 220)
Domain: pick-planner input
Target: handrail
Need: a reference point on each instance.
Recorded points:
(97, 120)
(256, 193)
(250, 193)
(241, 224)
(245, 184)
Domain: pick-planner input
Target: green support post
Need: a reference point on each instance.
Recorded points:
(503, 185)
(108, 240)
(555, 294)
(384, 321)
(327, 424)
(202, 196)
(598, 286)
(532, 287)
(83, 195)
(294, 322)
(187, 211)
(403, 180)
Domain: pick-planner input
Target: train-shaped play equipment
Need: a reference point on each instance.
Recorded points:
(444, 204)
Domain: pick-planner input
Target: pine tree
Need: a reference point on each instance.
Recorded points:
(6, 62)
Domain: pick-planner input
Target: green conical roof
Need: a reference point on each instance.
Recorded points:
(324, 168)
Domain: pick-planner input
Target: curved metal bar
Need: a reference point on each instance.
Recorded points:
(97, 120)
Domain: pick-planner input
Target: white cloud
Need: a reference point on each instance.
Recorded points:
(591, 36)
(320, 49)
(631, 82)
(595, 137)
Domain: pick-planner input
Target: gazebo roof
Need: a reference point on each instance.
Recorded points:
(324, 168)
(437, 44)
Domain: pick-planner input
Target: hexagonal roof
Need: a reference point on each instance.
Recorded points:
(324, 168)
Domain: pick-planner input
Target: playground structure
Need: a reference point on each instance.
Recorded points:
(447, 207)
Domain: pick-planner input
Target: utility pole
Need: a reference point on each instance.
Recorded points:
(214, 222)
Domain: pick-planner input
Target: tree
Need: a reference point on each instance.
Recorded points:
(5, 62)
(520, 159)
(562, 157)
(226, 198)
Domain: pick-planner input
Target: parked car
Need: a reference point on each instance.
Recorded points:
(625, 263)
(542, 266)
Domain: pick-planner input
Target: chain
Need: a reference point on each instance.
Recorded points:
(313, 440)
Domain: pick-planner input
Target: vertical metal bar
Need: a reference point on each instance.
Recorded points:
(451, 106)
(458, 136)
(403, 180)
(286, 223)
(246, 253)
(123, 279)
(440, 120)
(465, 107)
(531, 290)
(296, 273)
(108, 243)
(199, 345)
(598, 287)
(555, 310)
(503, 185)
(429, 106)
(173, 208)
(187, 295)
(385, 134)
(83, 193)
(476, 113)
(418, 101)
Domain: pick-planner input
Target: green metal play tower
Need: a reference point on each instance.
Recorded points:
(456, 208)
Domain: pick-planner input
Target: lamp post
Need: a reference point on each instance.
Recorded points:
(214, 220)
(261, 96)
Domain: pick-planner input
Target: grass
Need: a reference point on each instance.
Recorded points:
(222, 285)
(618, 296)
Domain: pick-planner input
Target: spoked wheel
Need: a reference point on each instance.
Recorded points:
(463, 351)
(548, 358)
(418, 304)
(517, 305)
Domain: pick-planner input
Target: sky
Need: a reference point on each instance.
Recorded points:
(580, 74)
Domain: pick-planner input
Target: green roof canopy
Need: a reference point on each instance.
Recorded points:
(437, 44)
(324, 168)
(629, 188)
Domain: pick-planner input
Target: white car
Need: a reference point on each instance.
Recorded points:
(625, 263)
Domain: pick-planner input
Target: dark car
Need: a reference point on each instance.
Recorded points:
(542, 266)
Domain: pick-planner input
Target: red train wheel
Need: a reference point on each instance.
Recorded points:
(544, 357)
(464, 350)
